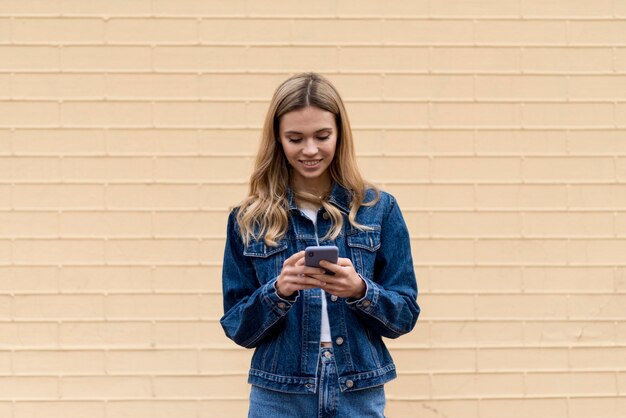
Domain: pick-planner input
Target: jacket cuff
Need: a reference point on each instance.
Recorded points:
(278, 304)
(367, 302)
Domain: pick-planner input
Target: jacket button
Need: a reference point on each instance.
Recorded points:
(281, 305)
(349, 383)
(333, 298)
(326, 215)
(366, 303)
(339, 340)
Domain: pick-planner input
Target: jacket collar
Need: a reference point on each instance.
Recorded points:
(339, 196)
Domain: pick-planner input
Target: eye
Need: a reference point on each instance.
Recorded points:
(323, 137)
(294, 139)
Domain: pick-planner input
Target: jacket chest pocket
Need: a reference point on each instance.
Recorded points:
(363, 246)
(268, 261)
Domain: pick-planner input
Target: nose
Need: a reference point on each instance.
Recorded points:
(310, 147)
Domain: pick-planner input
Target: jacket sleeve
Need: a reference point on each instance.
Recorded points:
(251, 310)
(389, 306)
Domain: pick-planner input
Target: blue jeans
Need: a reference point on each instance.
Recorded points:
(329, 402)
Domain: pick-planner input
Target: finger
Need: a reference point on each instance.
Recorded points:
(330, 266)
(344, 262)
(310, 271)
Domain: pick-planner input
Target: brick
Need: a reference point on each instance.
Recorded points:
(245, 31)
(23, 224)
(596, 406)
(333, 32)
(521, 142)
(151, 306)
(188, 279)
(474, 59)
(5, 249)
(197, 8)
(426, 32)
(378, 168)
(387, 114)
(601, 142)
(475, 114)
(417, 223)
(423, 142)
(156, 408)
(572, 224)
(162, 251)
(58, 307)
(58, 362)
(28, 279)
(191, 224)
(621, 168)
(65, 196)
(597, 358)
(6, 409)
(58, 141)
(586, 307)
(45, 251)
(565, 333)
(211, 306)
(521, 306)
(198, 58)
(522, 408)
(224, 361)
(516, 359)
(597, 251)
(475, 169)
(569, 8)
(477, 385)
(527, 251)
(175, 333)
(620, 114)
(151, 362)
(199, 386)
(104, 387)
(104, 57)
(568, 279)
(433, 361)
(567, 60)
(20, 169)
(28, 58)
(378, 58)
(235, 169)
(408, 386)
(432, 196)
(432, 408)
(477, 8)
(152, 31)
(59, 409)
(568, 169)
(426, 87)
(377, 9)
(156, 196)
(620, 225)
(582, 384)
(103, 279)
(353, 87)
(16, 388)
(239, 86)
(521, 196)
(134, 86)
(447, 306)
(439, 251)
(27, 334)
(600, 196)
(474, 279)
(600, 32)
(106, 169)
(174, 114)
(571, 114)
(151, 141)
(471, 224)
(24, 114)
(520, 87)
(100, 114)
(29, 7)
(96, 334)
(105, 8)
(5, 138)
(520, 32)
(217, 196)
(104, 224)
(288, 8)
(226, 406)
(64, 30)
(5, 364)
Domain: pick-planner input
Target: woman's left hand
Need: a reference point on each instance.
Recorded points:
(346, 283)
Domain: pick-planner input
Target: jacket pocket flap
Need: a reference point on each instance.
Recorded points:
(259, 249)
(368, 240)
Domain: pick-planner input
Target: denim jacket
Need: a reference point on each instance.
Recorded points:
(286, 332)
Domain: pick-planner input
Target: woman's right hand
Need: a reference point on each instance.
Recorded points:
(294, 276)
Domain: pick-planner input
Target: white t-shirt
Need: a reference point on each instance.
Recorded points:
(325, 329)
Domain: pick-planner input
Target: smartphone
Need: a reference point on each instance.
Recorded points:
(313, 255)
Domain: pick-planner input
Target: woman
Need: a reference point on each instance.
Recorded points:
(317, 337)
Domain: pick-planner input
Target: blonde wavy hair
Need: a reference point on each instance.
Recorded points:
(265, 212)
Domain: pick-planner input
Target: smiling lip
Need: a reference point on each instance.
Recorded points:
(310, 163)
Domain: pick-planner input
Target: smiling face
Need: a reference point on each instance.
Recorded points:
(309, 140)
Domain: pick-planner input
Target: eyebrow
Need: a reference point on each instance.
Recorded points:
(319, 130)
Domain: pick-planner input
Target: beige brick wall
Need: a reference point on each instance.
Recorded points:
(127, 129)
